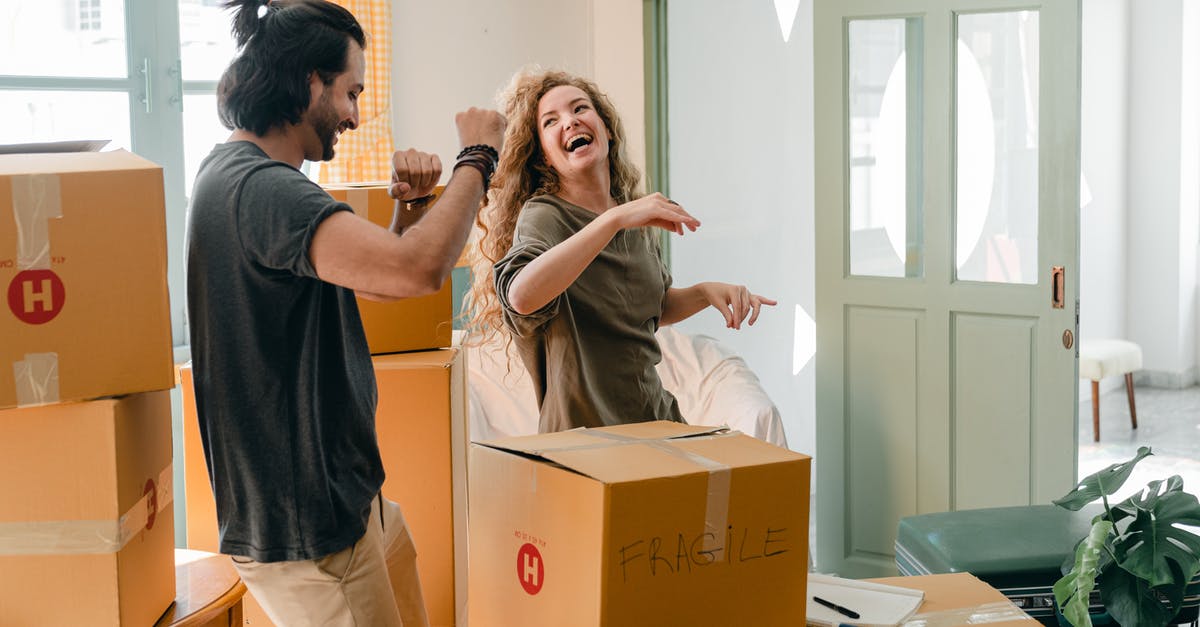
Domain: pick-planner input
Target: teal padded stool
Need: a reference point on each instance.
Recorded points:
(1017, 550)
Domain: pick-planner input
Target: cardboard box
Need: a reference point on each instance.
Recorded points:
(953, 599)
(422, 426)
(87, 527)
(421, 421)
(651, 524)
(83, 263)
(412, 324)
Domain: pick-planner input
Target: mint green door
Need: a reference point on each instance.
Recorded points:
(947, 182)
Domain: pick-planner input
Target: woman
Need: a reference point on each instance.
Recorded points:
(566, 267)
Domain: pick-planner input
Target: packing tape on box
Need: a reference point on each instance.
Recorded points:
(36, 198)
(36, 379)
(997, 612)
(76, 537)
(716, 505)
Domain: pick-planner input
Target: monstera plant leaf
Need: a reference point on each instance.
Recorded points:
(1130, 601)
(1154, 538)
(1074, 589)
(1102, 483)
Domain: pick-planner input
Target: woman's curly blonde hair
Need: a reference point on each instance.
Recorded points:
(522, 174)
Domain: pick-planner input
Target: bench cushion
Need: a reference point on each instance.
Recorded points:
(1105, 358)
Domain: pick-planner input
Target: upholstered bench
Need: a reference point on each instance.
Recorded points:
(1105, 358)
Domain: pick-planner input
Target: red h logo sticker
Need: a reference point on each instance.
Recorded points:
(530, 570)
(36, 296)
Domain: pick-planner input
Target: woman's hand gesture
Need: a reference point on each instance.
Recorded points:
(734, 302)
(653, 210)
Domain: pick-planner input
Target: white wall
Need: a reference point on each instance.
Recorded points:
(1161, 300)
(1103, 252)
(1189, 180)
(452, 54)
(741, 160)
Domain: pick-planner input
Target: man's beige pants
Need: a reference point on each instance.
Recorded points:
(372, 583)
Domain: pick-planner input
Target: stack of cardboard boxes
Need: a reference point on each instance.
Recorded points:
(422, 428)
(86, 519)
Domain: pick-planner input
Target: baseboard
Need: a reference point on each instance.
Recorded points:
(1166, 379)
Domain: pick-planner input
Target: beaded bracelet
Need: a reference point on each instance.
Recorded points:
(479, 148)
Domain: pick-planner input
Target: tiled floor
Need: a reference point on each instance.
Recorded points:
(1168, 422)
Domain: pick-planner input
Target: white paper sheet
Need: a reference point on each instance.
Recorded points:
(877, 604)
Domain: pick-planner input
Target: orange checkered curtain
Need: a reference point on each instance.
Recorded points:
(365, 154)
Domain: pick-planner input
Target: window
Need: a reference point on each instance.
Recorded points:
(71, 70)
(89, 15)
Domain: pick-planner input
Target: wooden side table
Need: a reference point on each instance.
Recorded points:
(208, 592)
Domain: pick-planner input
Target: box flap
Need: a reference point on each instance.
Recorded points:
(440, 358)
(64, 162)
(582, 437)
(70, 145)
(639, 451)
(953, 598)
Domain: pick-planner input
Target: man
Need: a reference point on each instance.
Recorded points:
(285, 389)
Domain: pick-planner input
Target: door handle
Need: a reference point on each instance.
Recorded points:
(1057, 284)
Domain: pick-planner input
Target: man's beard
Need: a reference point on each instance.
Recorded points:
(325, 125)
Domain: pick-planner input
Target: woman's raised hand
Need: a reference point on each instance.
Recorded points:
(653, 210)
(734, 302)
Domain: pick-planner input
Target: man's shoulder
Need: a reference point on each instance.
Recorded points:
(232, 161)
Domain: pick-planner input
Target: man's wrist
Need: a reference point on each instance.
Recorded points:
(481, 158)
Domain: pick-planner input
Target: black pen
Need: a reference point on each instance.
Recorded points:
(844, 611)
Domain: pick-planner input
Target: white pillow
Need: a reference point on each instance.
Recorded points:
(713, 387)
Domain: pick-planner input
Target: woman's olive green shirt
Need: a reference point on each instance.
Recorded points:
(591, 351)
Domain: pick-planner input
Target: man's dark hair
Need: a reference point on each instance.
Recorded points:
(282, 43)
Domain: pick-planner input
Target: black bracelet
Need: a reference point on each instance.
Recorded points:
(484, 148)
(485, 166)
(419, 202)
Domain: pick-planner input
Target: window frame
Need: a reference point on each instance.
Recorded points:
(153, 84)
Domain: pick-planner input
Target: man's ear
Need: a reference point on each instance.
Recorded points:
(315, 85)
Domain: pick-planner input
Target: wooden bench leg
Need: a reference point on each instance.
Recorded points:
(1132, 407)
(1095, 411)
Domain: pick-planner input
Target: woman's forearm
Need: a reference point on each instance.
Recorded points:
(682, 303)
(544, 278)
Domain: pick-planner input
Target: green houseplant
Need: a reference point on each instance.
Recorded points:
(1136, 553)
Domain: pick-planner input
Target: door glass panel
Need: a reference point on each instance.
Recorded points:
(63, 38)
(201, 131)
(206, 44)
(884, 148)
(39, 116)
(996, 169)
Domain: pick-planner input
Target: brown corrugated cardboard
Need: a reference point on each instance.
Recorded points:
(422, 426)
(201, 509)
(83, 277)
(950, 599)
(421, 423)
(649, 524)
(411, 324)
(86, 523)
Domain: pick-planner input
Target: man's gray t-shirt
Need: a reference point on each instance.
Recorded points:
(285, 389)
(591, 351)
